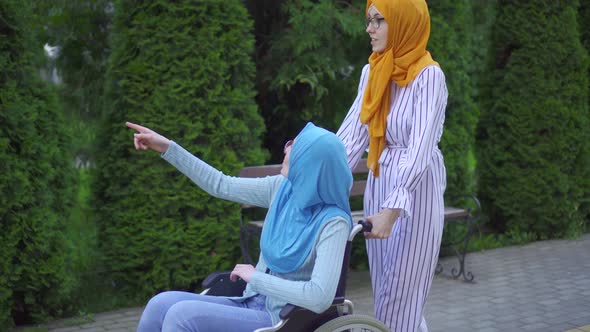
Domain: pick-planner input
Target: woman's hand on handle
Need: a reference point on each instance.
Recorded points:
(146, 138)
(244, 271)
(382, 223)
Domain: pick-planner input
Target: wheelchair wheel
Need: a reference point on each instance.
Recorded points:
(353, 323)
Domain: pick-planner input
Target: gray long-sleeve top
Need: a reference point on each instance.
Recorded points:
(313, 285)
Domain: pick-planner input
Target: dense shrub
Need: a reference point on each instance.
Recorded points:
(533, 134)
(185, 70)
(584, 28)
(79, 30)
(36, 178)
(451, 44)
(309, 56)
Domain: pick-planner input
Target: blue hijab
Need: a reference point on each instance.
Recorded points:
(317, 189)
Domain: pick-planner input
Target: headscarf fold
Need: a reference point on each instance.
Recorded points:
(404, 57)
(317, 189)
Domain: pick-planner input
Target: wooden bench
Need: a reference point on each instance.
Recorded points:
(252, 228)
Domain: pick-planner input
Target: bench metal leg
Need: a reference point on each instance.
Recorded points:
(245, 241)
(462, 251)
(467, 276)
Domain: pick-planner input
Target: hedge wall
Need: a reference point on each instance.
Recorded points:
(36, 178)
(584, 28)
(451, 45)
(185, 70)
(309, 56)
(533, 135)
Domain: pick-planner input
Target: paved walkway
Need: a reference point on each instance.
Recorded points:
(543, 286)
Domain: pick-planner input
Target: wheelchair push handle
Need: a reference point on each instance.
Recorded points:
(361, 226)
(367, 226)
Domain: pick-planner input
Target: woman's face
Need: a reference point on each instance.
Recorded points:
(378, 34)
(287, 151)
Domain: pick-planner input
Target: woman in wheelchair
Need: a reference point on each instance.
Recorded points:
(302, 243)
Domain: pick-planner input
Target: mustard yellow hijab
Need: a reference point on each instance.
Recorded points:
(404, 57)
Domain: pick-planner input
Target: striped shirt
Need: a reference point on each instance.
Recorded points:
(413, 179)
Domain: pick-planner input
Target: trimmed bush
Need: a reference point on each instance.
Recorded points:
(533, 134)
(36, 178)
(584, 28)
(451, 45)
(183, 69)
(309, 57)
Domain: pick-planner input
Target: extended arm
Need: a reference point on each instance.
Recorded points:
(253, 191)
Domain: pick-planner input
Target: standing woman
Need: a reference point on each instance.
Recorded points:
(398, 115)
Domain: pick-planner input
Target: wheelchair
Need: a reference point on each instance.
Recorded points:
(338, 317)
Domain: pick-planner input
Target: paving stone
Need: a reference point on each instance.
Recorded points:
(93, 329)
(489, 329)
(66, 329)
(534, 326)
(484, 323)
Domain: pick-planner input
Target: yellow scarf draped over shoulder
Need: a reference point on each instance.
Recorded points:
(405, 56)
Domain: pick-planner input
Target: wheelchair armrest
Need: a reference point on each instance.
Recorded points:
(214, 278)
(219, 284)
(290, 309)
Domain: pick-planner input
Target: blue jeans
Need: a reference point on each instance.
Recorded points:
(183, 311)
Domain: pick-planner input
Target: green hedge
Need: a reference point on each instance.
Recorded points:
(584, 28)
(451, 44)
(185, 70)
(36, 178)
(309, 56)
(533, 134)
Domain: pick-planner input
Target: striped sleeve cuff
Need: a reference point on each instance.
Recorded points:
(399, 198)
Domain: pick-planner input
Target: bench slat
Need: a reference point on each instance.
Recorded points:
(451, 214)
(275, 169)
(260, 171)
(358, 189)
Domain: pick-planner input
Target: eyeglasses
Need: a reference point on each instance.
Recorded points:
(374, 22)
(288, 144)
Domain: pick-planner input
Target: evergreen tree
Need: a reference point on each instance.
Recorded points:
(309, 56)
(79, 30)
(584, 28)
(185, 70)
(451, 45)
(75, 65)
(36, 178)
(532, 136)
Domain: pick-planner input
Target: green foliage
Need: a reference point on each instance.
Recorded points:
(80, 30)
(92, 293)
(36, 178)
(452, 46)
(183, 69)
(532, 137)
(584, 28)
(309, 56)
(584, 23)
